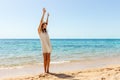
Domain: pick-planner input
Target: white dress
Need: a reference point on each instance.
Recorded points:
(45, 42)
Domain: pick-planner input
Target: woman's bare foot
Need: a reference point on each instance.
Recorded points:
(48, 71)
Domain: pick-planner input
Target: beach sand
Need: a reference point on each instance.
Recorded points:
(108, 73)
(100, 69)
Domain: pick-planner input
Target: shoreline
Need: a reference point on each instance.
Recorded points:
(73, 66)
(107, 59)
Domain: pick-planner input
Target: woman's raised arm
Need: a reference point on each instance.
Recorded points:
(47, 18)
(41, 21)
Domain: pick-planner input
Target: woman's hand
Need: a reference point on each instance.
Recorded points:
(44, 10)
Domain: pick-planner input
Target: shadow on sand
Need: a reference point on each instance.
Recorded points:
(61, 75)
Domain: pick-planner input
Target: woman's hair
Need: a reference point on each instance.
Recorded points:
(43, 24)
(43, 30)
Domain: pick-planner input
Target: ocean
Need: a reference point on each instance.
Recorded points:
(21, 52)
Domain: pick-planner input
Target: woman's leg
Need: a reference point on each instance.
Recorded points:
(48, 62)
(45, 62)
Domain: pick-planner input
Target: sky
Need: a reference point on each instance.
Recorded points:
(68, 18)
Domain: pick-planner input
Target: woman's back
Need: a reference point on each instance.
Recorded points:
(45, 41)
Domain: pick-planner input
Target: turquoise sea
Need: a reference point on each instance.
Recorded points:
(20, 52)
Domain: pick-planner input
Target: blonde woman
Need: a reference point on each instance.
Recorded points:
(45, 41)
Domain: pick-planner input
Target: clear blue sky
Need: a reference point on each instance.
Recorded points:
(68, 18)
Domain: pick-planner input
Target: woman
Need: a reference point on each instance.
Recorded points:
(45, 41)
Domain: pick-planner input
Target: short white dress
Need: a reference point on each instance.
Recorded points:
(45, 42)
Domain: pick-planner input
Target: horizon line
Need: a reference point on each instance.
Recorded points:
(61, 38)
